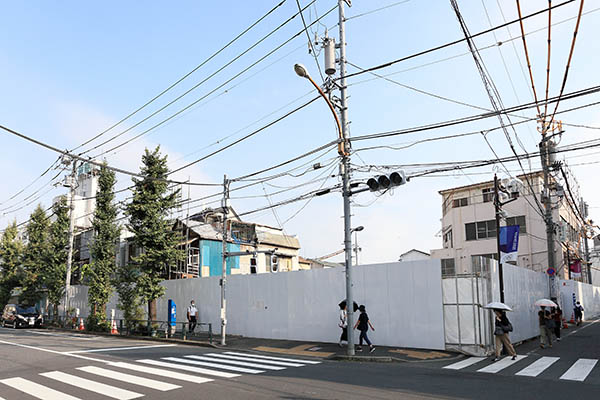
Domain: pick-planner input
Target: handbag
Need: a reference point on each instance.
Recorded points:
(507, 328)
(498, 331)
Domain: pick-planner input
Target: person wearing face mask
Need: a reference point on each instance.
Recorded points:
(192, 315)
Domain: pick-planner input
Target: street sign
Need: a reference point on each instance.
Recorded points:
(550, 271)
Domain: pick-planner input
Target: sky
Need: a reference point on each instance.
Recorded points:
(70, 70)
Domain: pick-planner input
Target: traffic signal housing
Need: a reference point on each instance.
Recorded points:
(384, 182)
(274, 263)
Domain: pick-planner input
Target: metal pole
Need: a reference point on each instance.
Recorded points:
(497, 212)
(72, 186)
(187, 233)
(225, 207)
(548, 206)
(346, 178)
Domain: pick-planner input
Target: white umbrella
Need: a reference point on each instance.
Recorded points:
(545, 303)
(496, 305)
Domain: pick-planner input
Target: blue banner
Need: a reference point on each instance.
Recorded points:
(509, 243)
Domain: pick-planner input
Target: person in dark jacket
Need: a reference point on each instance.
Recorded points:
(557, 316)
(502, 327)
(363, 325)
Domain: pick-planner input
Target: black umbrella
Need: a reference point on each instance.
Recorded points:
(343, 305)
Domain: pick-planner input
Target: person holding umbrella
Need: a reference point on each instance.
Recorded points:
(545, 321)
(501, 330)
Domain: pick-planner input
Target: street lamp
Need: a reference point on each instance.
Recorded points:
(343, 147)
(356, 249)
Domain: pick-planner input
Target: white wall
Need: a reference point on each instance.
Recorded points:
(403, 300)
(573, 291)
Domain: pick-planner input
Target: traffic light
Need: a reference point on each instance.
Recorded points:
(384, 182)
(253, 265)
(274, 263)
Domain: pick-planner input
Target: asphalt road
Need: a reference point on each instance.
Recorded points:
(63, 366)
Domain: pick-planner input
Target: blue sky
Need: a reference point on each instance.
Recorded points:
(70, 70)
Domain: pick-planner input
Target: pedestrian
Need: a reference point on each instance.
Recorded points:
(544, 339)
(557, 316)
(578, 313)
(192, 315)
(501, 330)
(548, 326)
(363, 325)
(343, 323)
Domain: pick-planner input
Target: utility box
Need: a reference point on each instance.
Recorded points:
(172, 317)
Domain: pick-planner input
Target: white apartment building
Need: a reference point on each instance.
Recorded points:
(469, 227)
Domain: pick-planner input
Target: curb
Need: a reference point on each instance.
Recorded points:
(147, 338)
(378, 359)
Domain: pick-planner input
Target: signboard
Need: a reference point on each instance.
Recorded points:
(550, 271)
(172, 316)
(576, 269)
(509, 243)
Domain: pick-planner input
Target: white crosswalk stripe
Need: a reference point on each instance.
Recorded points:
(254, 359)
(36, 390)
(465, 363)
(235, 362)
(189, 368)
(538, 366)
(580, 370)
(210, 364)
(92, 386)
(273, 358)
(133, 379)
(161, 372)
(500, 365)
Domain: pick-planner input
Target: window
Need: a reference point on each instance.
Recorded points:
(488, 194)
(481, 230)
(520, 220)
(514, 195)
(448, 239)
(448, 268)
(463, 202)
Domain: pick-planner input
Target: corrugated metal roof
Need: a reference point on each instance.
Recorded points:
(277, 240)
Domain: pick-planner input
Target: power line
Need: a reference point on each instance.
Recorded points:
(310, 44)
(377, 10)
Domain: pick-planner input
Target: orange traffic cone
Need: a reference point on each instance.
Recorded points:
(572, 321)
(81, 327)
(113, 328)
(565, 326)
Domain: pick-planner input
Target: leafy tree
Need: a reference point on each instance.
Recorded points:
(36, 255)
(152, 231)
(125, 283)
(106, 237)
(55, 269)
(11, 254)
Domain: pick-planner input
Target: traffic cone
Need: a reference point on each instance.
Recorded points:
(113, 328)
(572, 321)
(81, 327)
(565, 326)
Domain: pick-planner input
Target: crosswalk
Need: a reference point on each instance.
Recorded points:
(148, 375)
(529, 366)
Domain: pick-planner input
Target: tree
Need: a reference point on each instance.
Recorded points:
(152, 231)
(36, 255)
(55, 269)
(11, 255)
(106, 237)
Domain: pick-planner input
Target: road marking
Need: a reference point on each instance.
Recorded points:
(92, 386)
(296, 351)
(538, 367)
(273, 358)
(67, 335)
(133, 379)
(210, 364)
(36, 390)
(120, 348)
(500, 365)
(464, 363)
(580, 370)
(161, 372)
(251, 359)
(189, 368)
(240, 363)
(54, 351)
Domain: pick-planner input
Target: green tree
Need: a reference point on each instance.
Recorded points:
(55, 269)
(36, 255)
(152, 231)
(126, 285)
(11, 255)
(106, 237)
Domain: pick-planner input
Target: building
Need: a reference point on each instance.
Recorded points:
(469, 226)
(202, 236)
(414, 255)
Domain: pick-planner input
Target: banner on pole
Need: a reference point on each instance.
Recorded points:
(509, 243)
(576, 269)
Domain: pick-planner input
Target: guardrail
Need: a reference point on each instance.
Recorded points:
(122, 327)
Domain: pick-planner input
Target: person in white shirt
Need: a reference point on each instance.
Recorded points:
(192, 315)
(343, 323)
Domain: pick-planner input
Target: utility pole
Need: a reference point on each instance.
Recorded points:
(547, 200)
(497, 210)
(584, 210)
(72, 187)
(345, 170)
(225, 207)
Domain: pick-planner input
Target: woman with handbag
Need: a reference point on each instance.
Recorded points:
(501, 330)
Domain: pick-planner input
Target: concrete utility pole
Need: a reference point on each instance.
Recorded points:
(345, 170)
(497, 213)
(72, 187)
(547, 200)
(225, 207)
